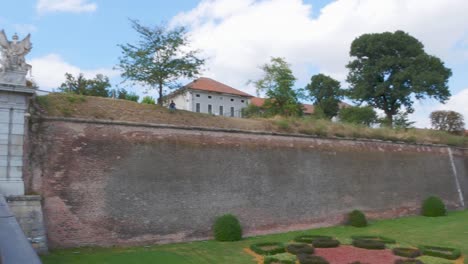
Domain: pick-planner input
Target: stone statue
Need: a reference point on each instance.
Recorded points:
(14, 66)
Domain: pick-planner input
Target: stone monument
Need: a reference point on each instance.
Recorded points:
(14, 102)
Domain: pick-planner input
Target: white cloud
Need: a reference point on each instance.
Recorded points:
(238, 36)
(49, 71)
(458, 103)
(72, 6)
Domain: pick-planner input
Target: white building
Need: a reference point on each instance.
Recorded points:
(208, 96)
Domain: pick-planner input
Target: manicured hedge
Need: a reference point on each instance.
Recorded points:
(368, 244)
(311, 259)
(440, 252)
(407, 252)
(357, 219)
(227, 228)
(283, 258)
(408, 261)
(325, 243)
(300, 248)
(433, 207)
(268, 248)
(382, 239)
(309, 238)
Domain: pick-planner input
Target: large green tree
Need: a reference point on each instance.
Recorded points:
(277, 83)
(99, 86)
(326, 93)
(390, 70)
(159, 58)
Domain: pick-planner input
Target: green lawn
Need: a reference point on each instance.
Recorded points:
(449, 231)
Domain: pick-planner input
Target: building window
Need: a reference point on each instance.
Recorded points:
(197, 108)
(209, 96)
(221, 110)
(210, 109)
(232, 100)
(242, 101)
(197, 95)
(232, 111)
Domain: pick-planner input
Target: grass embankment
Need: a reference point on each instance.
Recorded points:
(449, 231)
(66, 105)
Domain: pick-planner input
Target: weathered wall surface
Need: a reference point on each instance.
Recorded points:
(28, 212)
(113, 184)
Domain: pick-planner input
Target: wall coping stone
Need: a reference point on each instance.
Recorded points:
(227, 130)
(12, 198)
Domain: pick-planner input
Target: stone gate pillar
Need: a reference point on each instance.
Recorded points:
(14, 99)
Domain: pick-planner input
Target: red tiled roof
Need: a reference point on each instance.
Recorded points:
(210, 85)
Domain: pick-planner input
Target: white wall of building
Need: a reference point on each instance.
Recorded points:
(189, 99)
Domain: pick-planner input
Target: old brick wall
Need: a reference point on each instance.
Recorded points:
(110, 184)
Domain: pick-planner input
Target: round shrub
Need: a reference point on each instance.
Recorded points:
(357, 218)
(227, 228)
(325, 243)
(382, 239)
(268, 248)
(299, 248)
(368, 244)
(408, 261)
(311, 259)
(309, 238)
(407, 252)
(433, 207)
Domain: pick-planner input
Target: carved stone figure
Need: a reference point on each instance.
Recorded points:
(14, 67)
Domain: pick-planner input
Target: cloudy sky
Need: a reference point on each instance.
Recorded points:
(239, 35)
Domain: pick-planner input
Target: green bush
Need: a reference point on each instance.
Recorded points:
(309, 238)
(227, 228)
(408, 261)
(358, 115)
(357, 218)
(440, 252)
(433, 207)
(299, 248)
(148, 100)
(325, 243)
(283, 258)
(268, 248)
(311, 259)
(382, 239)
(368, 244)
(407, 252)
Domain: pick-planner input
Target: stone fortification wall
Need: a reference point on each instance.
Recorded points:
(106, 184)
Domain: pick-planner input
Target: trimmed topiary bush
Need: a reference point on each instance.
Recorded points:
(407, 252)
(408, 261)
(382, 239)
(283, 258)
(368, 244)
(311, 259)
(268, 248)
(227, 228)
(309, 238)
(300, 248)
(357, 218)
(433, 207)
(440, 252)
(325, 243)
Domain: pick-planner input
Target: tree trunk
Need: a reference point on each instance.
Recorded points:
(160, 99)
(389, 120)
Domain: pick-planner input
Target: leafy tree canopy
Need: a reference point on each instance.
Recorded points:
(449, 121)
(358, 115)
(325, 93)
(277, 82)
(159, 58)
(390, 69)
(99, 86)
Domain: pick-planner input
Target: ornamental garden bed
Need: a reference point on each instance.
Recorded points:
(364, 250)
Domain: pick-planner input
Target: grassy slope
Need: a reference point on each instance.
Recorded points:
(450, 231)
(65, 105)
